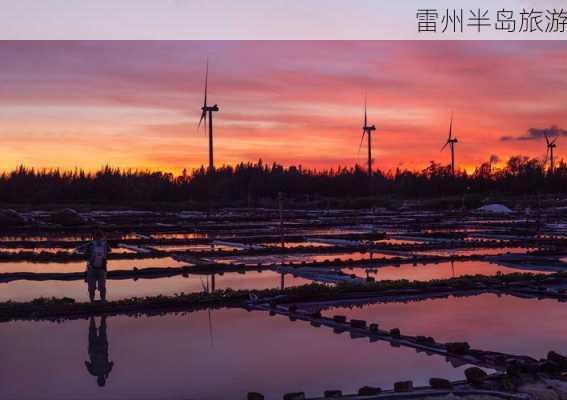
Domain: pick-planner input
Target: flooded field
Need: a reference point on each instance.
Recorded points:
(200, 356)
(25, 290)
(299, 258)
(80, 266)
(427, 272)
(487, 321)
(229, 352)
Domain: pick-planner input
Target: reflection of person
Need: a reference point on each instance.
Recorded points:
(99, 365)
(97, 254)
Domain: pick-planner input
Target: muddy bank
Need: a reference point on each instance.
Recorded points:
(543, 286)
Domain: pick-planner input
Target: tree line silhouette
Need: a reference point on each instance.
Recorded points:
(247, 183)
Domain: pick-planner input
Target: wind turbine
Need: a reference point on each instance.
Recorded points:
(367, 129)
(207, 112)
(549, 154)
(451, 142)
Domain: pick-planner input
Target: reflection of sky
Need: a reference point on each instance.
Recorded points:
(136, 104)
(23, 290)
(174, 357)
(488, 322)
(428, 272)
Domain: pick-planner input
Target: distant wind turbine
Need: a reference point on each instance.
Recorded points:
(367, 129)
(549, 153)
(451, 142)
(207, 112)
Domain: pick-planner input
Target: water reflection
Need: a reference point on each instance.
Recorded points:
(487, 321)
(181, 356)
(98, 365)
(23, 290)
(426, 272)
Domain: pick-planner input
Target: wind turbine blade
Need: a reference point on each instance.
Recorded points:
(451, 128)
(554, 140)
(445, 145)
(203, 116)
(361, 141)
(365, 113)
(546, 138)
(546, 157)
(206, 82)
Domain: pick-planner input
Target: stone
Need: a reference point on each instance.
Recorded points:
(421, 339)
(475, 376)
(11, 217)
(373, 327)
(440, 383)
(404, 386)
(254, 396)
(358, 323)
(68, 217)
(458, 347)
(316, 314)
(369, 391)
(557, 359)
(332, 393)
(294, 396)
(395, 332)
(339, 318)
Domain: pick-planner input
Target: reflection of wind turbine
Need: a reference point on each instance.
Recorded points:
(207, 112)
(549, 153)
(211, 329)
(367, 129)
(451, 142)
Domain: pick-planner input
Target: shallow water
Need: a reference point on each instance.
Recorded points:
(426, 272)
(124, 288)
(479, 251)
(487, 321)
(221, 355)
(115, 250)
(191, 247)
(178, 235)
(291, 245)
(79, 266)
(297, 258)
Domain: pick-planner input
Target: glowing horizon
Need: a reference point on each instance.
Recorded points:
(136, 104)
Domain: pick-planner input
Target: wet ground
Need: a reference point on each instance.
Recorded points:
(427, 272)
(226, 353)
(26, 290)
(487, 321)
(221, 354)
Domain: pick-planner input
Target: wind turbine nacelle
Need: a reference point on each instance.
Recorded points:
(210, 108)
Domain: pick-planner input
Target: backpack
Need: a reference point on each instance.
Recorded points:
(97, 255)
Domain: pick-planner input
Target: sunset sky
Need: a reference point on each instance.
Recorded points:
(137, 104)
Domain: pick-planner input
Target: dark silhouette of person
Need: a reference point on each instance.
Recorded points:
(99, 364)
(97, 254)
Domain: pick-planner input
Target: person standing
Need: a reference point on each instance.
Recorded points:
(97, 254)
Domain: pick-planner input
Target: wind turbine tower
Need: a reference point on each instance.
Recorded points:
(451, 141)
(550, 147)
(207, 112)
(367, 130)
